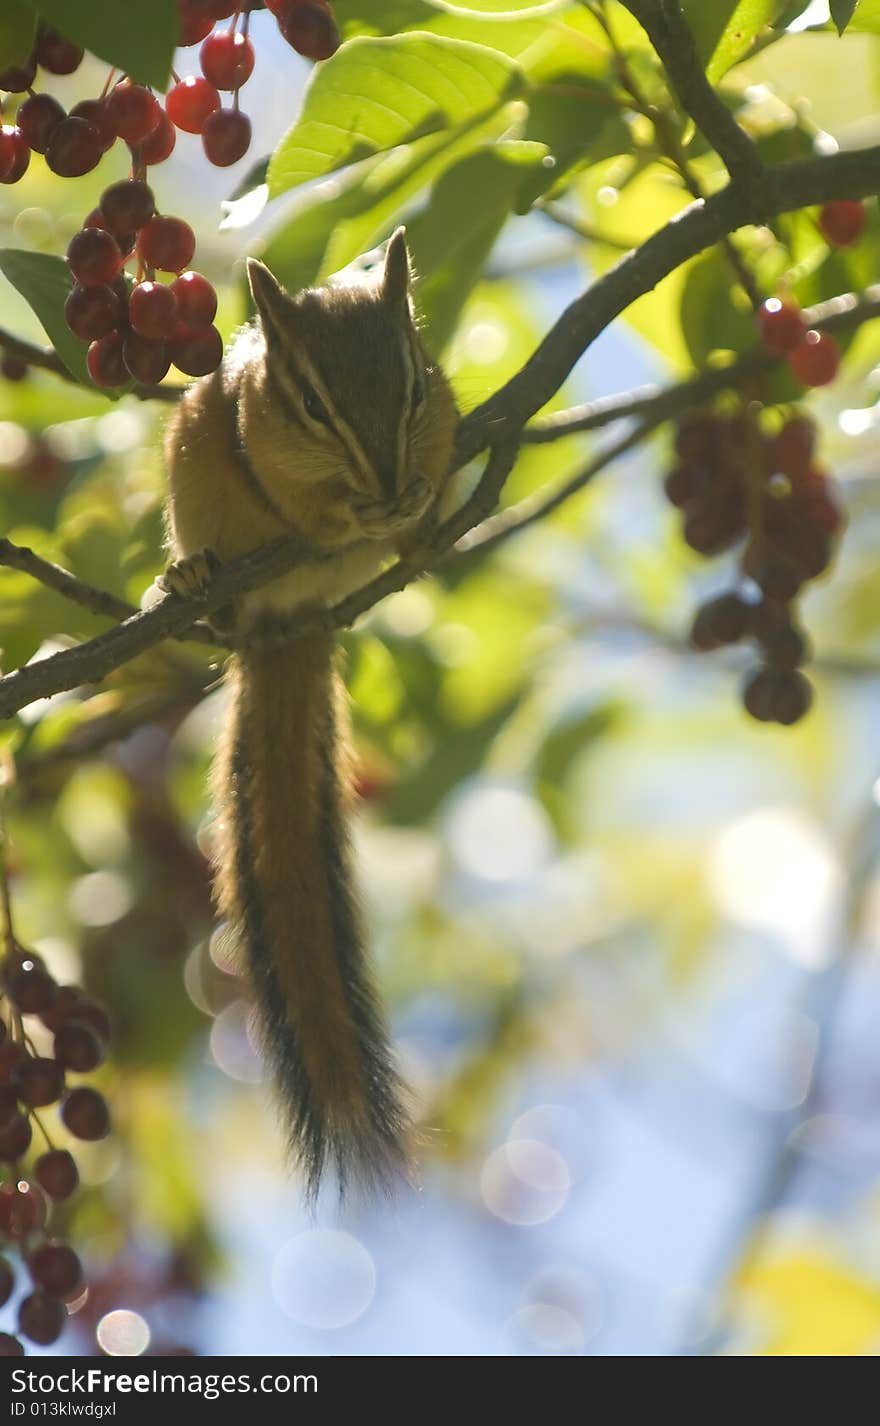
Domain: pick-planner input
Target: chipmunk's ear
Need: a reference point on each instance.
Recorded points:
(272, 302)
(396, 277)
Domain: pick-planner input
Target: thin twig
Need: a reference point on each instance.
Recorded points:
(47, 359)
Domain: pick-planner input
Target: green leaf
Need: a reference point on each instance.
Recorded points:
(138, 39)
(44, 282)
(842, 12)
(18, 25)
(710, 318)
(574, 119)
(375, 94)
(726, 30)
(452, 237)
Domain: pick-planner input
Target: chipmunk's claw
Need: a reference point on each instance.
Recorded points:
(191, 576)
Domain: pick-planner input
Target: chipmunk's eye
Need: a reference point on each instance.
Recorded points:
(418, 392)
(314, 405)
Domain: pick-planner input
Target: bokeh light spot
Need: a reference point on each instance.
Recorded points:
(123, 1334)
(324, 1278)
(499, 833)
(525, 1182)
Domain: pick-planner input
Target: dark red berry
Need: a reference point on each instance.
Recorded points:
(18, 78)
(75, 148)
(15, 154)
(55, 53)
(12, 1052)
(41, 1318)
(38, 118)
(92, 312)
(7, 1281)
(724, 620)
(56, 1269)
(779, 577)
(105, 362)
(57, 1174)
(794, 696)
(197, 351)
(785, 647)
(127, 205)
(31, 987)
(189, 103)
(94, 257)
(39, 1081)
(69, 996)
(842, 221)
(196, 21)
(85, 1114)
(781, 325)
(226, 137)
(147, 361)
(152, 310)
(227, 59)
(159, 144)
(310, 28)
(8, 1106)
(792, 450)
(134, 111)
(759, 695)
(15, 1140)
(95, 111)
(816, 361)
(22, 1209)
(89, 1012)
(196, 300)
(10, 1346)
(167, 244)
(77, 1047)
(12, 368)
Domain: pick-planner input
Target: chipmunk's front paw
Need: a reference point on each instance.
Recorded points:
(191, 576)
(378, 518)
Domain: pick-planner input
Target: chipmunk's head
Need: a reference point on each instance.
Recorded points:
(371, 415)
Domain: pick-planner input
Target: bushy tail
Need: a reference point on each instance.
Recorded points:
(284, 882)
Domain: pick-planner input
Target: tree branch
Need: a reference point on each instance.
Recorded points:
(852, 174)
(47, 359)
(98, 601)
(670, 34)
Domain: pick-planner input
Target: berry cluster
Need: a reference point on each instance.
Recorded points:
(30, 1081)
(737, 483)
(137, 331)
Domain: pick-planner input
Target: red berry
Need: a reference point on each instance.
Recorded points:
(55, 53)
(89, 1012)
(15, 1140)
(7, 1282)
(56, 1268)
(74, 148)
(148, 361)
(97, 113)
(792, 450)
(57, 1174)
(189, 103)
(227, 59)
(166, 243)
(152, 310)
(77, 1047)
(817, 360)
(69, 996)
(226, 137)
(195, 22)
(39, 1081)
(15, 154)
(105, 362)
(93, 257)
(10, 1346)
(31, 987)
(92, 312)
(37, 119)
(310, 28)
(724, 620)
(22, 1209)
(159, 144)
(12, 1052)
(127, 205)
(8, 1106)
(134, 112)
(197, 351)
(781, 326)
(18, 78)
(41, 1318)
(85, 1114)
(196, 300)
(842, 222)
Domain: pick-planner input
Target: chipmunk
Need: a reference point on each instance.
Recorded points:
(326, 419)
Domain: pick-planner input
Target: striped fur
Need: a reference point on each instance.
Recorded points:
(284, 879)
